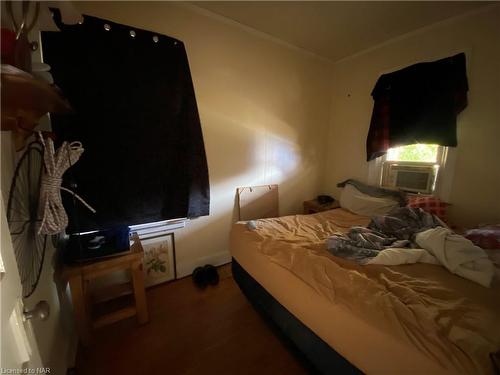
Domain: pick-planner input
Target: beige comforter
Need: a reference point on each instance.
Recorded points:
(453, 321)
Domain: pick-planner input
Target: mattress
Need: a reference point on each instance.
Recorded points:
(401, 319)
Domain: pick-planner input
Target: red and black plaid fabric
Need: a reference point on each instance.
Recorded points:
(377, 142)
(486, 237)
(418, 104)
(431, 205)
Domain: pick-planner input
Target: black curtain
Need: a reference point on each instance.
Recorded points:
(135, 113)
(418, 104)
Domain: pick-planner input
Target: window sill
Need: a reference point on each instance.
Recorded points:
(160, 227)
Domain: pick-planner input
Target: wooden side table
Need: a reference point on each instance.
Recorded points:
(313, 206)
(79, 277)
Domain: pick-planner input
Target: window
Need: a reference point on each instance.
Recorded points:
(413, 168)
(415, 153)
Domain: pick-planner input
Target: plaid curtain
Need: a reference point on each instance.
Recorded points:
(418, 104)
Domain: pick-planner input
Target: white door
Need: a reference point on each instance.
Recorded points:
(18, 346)
(55, 336)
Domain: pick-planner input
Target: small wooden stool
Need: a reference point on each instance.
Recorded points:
(79, 277)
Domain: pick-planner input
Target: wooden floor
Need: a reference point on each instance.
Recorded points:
(191, 331)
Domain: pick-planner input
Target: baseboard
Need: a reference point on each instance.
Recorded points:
(186, 268)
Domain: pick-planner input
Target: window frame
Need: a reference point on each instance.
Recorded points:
(445, 159)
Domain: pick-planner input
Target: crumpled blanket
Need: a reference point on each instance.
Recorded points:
(409, 235)
(388, 231)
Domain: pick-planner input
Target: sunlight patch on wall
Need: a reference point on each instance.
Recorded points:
(283, 160)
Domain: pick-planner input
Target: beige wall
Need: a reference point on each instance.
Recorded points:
(264, 110)
(476, 181)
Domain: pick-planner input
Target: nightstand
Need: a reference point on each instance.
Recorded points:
(80, 275)
(313, 206)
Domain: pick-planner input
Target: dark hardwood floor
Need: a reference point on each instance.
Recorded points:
(191, 331)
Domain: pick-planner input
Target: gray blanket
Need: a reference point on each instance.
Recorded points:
(396, 229)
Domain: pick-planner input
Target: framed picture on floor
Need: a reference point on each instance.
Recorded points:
(159, 258)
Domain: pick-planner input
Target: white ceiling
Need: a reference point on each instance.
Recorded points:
(336, 30)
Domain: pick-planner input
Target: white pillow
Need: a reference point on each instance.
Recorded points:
(363, 204)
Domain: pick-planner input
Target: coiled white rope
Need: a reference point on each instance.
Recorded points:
(54, 217)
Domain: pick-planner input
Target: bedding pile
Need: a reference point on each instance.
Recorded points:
(411, 235)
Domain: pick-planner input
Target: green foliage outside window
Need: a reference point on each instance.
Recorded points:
(415, 152)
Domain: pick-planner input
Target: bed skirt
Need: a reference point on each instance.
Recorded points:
(318, 353)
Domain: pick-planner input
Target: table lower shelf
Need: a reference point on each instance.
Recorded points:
(113, 317)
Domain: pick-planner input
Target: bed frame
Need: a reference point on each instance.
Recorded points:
(318, 354)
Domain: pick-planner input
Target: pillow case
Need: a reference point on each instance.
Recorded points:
(429, 204)
(359, 203)
(487, 237)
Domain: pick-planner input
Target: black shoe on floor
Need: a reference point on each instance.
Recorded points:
(200, 277)
(211, 274)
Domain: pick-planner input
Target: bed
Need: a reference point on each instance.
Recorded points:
(374, 319)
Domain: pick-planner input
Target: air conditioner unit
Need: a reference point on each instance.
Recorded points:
(411, 177)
